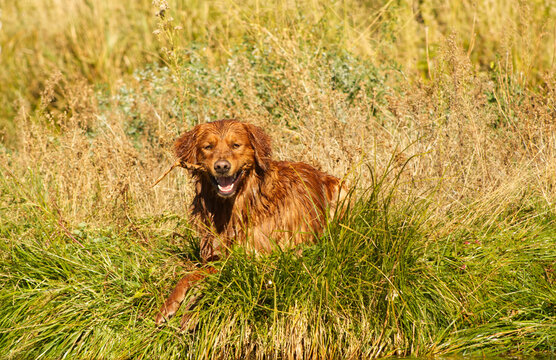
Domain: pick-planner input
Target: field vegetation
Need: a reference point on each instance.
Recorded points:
(441, 115)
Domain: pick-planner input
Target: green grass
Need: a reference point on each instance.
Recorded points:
(378, 283)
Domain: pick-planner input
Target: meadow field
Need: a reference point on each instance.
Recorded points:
(441, 115)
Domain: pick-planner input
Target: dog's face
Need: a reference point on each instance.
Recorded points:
(226, 151)
(226, 155)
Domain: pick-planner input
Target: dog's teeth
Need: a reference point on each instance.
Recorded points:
(226, 189)
(226, 184)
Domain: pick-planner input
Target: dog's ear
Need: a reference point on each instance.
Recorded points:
(184, 147)
(261, 143)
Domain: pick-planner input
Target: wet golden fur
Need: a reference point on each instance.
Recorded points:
(269, 204)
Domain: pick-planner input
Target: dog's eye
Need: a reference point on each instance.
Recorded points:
(236, 146)
(207, 147)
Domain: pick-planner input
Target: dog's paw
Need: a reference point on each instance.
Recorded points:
(166, 312)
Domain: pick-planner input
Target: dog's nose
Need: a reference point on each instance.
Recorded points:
(222, 166)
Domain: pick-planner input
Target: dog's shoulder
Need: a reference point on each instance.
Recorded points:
(295, 178)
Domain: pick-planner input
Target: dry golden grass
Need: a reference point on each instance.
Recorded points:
(103, 40)
(473, 138)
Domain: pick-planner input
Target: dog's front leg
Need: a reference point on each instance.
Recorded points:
(172, 304)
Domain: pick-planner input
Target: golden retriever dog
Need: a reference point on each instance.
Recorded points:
(244, 197)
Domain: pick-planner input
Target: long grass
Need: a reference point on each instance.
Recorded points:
(376, 284)
(102, 40)
(441, 115)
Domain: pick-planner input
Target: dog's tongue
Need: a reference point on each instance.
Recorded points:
(225, 184)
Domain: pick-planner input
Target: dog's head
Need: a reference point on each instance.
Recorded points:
(225, 151)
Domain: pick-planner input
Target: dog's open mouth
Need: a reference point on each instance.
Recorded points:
(227, 185)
